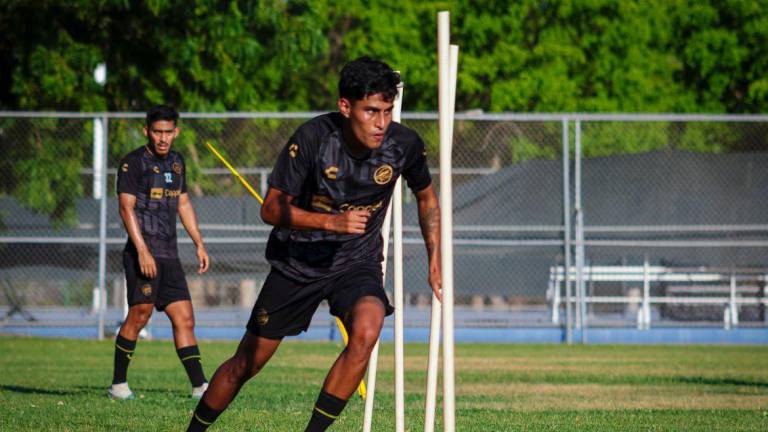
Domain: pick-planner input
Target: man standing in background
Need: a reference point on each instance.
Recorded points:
(152, 189)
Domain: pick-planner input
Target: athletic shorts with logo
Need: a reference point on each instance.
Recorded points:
(285, 307)
(168, 286)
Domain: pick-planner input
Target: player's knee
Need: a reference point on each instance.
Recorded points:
(364, 339)
(237, 369)
(244, 367)
(139, 318)
(184, 323)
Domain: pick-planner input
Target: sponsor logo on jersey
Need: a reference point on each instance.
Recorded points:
(262, 316)
(370, 208)
(383, 174)
(172, 193)
(331, 172)
(325, 203)
(156, 193)
(125, 167)
(176, 168)
(293, 150)
(156, 169)
(322, 202)
(146, 290)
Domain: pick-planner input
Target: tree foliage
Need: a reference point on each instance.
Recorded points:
(529, 55)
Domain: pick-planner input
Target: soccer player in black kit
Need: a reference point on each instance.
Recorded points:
(327, 198)
(152, 189)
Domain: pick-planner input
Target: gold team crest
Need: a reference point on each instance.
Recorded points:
(383, 174)
(176, 168)
(146, 290)
(293, 150)
(331, 172)
(156, 169)
(262, 317)
(125, 167)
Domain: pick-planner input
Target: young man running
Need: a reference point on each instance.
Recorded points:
(327, 198)
(152, 188)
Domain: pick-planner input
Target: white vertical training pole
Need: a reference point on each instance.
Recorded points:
(373, 361)
(434, 332)
(445, 119)
(397, 221)
(434, 353)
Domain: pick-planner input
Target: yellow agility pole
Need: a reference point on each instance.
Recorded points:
(234, 171)
(361, 387)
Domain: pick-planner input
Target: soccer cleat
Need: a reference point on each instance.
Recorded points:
(121, 392)
(197, 392)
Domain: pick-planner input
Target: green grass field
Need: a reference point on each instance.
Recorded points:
(60, 385)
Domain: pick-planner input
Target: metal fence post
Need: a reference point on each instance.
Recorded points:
(103, 232)
(567, 233)
(579, 213)
(553, 286)
(733, 305)
(646, 321)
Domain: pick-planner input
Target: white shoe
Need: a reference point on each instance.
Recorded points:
(120, 392)
(197, 392)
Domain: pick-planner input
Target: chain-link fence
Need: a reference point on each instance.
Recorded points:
(660, 221)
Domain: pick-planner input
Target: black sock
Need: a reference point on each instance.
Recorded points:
(203, 417)
(190, 358)
(327, 409)
(124, 349)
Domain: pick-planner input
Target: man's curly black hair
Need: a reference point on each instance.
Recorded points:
(162, 112)
(365, 76)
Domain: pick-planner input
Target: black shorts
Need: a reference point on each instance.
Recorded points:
(168, 286)
(285, 307)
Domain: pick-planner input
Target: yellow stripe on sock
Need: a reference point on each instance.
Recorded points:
(191, 357)
(123, 349)
(330, 416)
(202, 421)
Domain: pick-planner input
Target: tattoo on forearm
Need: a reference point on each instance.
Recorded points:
(430, 221)
(431, 246)
(430, 228)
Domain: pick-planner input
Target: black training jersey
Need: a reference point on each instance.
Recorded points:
(157, 184)
(316, 168)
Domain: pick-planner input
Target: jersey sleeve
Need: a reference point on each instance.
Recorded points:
(129, 176)
(293, 164)
(416, 172)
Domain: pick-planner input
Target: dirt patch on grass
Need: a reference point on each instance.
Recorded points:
(541, 397)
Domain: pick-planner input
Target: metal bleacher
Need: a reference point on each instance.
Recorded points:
(728, 290)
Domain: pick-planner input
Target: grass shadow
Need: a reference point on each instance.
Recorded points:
(720, 381)
(39, 391)
(136, 390)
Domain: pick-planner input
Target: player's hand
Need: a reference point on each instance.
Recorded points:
(147, 264)
(351, 222)
(436, 280)
(202, 257)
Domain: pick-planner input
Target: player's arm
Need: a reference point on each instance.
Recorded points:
(132, 227)
(189, 220)
(279, 211)
(429, 220)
